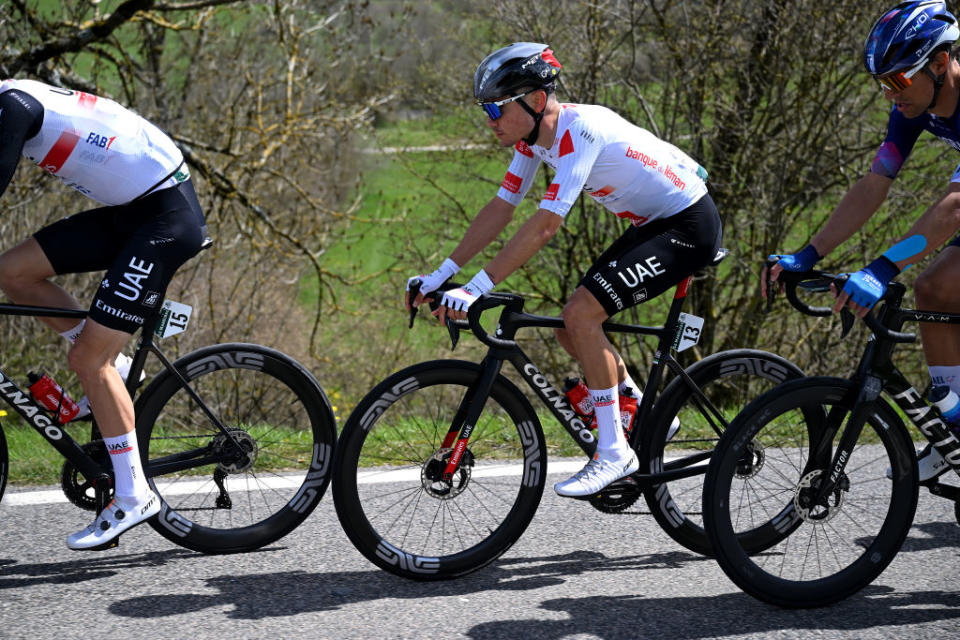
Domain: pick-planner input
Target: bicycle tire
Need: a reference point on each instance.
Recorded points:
(730, 380)
(276, 410)
(767, 449)
(416, 527)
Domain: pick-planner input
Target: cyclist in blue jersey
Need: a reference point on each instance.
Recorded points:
(908, 53)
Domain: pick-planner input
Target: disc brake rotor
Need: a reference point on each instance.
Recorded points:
(431, 474)
(806, 493)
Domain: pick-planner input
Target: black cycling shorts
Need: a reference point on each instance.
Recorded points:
(140, 244)
(647, 260)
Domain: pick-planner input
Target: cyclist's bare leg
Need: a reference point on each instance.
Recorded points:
(24, 273)
(936, 290)
(583, 317)
(92, 358)
(564, 339)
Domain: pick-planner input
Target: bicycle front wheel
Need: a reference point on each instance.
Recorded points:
(217, 499)
(389, 492)
(699, 410)
(762, 476)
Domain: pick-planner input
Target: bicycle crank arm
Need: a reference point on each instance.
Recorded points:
(943, 490)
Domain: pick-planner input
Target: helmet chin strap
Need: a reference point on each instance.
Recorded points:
(937, 85)
(537, 117)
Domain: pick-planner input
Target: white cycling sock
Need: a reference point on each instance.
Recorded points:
(129, 479)
(611, 443)
(946, 374)
(628, 383)
(72, 334)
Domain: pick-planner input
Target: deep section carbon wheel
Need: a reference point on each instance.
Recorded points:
(764, 477)
(390, 489)
(246, 485)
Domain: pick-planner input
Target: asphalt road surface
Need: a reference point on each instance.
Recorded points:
(576, 573)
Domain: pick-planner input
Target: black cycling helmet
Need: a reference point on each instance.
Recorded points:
(507, 71)
(519, 67)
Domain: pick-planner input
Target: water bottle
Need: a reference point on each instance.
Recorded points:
(52, 396)
(947, 400)
(579, 396)
(628, 409)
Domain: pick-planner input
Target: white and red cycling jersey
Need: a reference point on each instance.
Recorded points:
(623, 167)
(98, 147)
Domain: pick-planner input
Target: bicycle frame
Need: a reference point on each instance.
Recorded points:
(504, 348)
(38, 417)
(876, 373)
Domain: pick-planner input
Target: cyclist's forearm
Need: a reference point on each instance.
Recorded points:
(490, 221)
(856, 207)
(930, 232)
(527, 241)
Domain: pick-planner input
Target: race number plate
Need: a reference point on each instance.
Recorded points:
(174, 317)
(689, 334)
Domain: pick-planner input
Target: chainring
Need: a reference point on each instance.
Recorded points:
(617, 497)
(78, 489)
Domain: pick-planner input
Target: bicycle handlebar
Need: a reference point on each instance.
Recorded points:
(818, 282)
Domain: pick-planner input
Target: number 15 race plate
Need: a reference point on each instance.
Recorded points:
(174, 317)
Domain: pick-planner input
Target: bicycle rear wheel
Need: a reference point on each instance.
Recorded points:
(388, 491)
(217, 500)
(762, 477)
(728, 380)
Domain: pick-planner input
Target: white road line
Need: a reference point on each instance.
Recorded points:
(237, 485)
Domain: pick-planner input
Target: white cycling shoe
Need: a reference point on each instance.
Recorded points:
(597, 474)
(116, 518)
(929, 462)
(122, 363)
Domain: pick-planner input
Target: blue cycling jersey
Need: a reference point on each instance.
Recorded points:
(902, 133)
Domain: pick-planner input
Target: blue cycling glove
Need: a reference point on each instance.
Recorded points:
(801, 261)
(866, 286)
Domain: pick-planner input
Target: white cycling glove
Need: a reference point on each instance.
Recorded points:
(461, 299)
(430, 282)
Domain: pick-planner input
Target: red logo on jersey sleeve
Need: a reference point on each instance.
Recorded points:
(551, 193)
(512, 182)
(566, 144)
(523, 149)
(634, 219)
(60, 151)
(603, 191)
(86, 100)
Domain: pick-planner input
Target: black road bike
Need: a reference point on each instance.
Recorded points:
(829, 464)
(440, 468)
(236, 439)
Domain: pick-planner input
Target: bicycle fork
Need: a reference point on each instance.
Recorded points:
(465, 420)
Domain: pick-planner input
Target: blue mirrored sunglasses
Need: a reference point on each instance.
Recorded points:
(492, 109)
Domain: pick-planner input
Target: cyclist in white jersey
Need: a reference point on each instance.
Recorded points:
(674, 226)
(150, 225)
